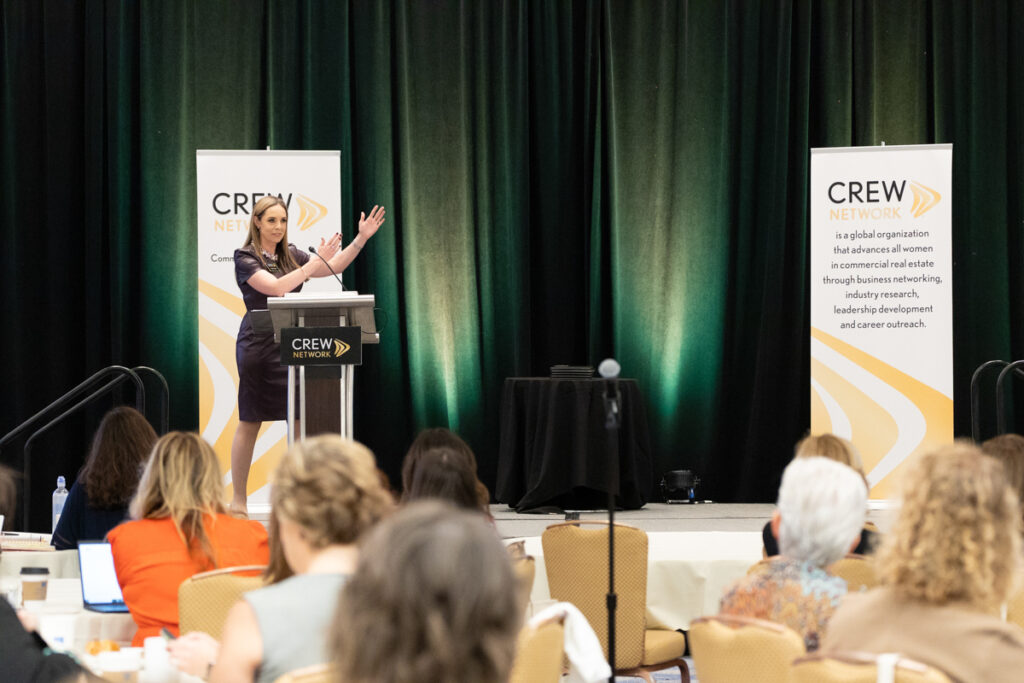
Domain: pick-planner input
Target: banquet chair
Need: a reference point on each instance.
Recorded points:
(862, 667)
(525, 569)
(205, 598)
(728, 648)
(576, 560)
(539, 652)
(1015, 608)
(318, 673)
(857, 570)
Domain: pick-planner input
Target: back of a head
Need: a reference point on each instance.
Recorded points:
(822, 504)
(181, 481)
(182, 474)
(956, 538)
(433, 599)
(832, 447)
(119, 448)
(428, 439)
(444, 474)
(330, 487)
(1009, 450)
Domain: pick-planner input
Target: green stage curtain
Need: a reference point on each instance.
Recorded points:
(565, 181)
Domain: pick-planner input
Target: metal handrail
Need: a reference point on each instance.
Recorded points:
(68, 397)
(165, 404)
(976, 396)
(1000, 401)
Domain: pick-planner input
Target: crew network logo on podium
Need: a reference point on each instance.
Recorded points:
(321, 346)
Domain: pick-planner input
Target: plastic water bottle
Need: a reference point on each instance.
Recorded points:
(59, 496)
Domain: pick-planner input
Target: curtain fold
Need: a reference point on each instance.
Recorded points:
(565, 181)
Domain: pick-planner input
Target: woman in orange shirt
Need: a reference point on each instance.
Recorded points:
(180, 528)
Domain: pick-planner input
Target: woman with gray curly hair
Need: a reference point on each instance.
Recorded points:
(946, 568)
(818, 519)
(433, 599)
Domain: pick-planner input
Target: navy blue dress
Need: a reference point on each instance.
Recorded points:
(80, 521)
(262, 380)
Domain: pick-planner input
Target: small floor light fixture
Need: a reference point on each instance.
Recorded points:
(680, 487)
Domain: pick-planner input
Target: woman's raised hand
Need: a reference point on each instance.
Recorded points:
(368, 225)
(329, 247)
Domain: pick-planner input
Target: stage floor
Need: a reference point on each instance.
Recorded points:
(661, 517)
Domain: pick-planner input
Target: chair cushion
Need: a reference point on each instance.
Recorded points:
(662, 646)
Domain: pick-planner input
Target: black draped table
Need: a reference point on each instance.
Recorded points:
(554, 445)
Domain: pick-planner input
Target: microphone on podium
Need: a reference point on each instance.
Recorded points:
(312, 250)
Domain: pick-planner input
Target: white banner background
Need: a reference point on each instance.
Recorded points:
(228, 182)
(882, 302)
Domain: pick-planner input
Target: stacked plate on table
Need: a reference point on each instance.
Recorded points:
(572, 372)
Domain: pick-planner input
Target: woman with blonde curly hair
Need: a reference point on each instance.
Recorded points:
(433, 599)
(180, 527)
(946, 568)
(326, 493)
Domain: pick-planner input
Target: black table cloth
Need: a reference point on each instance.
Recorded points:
(554, 449)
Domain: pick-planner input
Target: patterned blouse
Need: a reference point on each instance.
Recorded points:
(796, 594)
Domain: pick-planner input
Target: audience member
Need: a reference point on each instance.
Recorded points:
(842, 451)
(180, 528)
(946, 568)
(1009, 450)
(326, 493)
(439, 437)
(433, 599)
(24, 656)
(98, 500)
(444, 474)
(819, 516)
(8, 497)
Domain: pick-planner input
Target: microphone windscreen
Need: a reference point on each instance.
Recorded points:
(609, 368)
(312, 249)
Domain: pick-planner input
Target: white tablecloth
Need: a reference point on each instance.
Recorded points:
(687, 572)
(65, 624)
(63, 564)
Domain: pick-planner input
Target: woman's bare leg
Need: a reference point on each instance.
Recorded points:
(242, 448)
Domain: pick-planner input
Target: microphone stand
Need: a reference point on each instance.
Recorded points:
(312, 250)
(612, 423)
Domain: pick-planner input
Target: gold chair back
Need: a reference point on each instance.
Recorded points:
(204, 599)
(858, 571)
(1015, 608)
(539, 653)
(860, 667)
(318, 673)
(576, 560)
(727, 649)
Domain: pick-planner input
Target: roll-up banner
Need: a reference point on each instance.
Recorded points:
(882, 302)
(228, 183)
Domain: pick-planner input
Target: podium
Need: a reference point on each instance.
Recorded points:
(321, 336)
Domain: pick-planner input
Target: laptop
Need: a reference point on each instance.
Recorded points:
(100, 589)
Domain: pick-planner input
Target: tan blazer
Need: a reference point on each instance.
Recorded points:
(968, 646)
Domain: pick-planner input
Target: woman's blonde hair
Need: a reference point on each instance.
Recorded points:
(285, 260)
(433, 599)
(956, 538)
(329, 487)
(182, 480)
(832, 447)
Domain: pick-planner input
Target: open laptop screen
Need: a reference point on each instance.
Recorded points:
(99, 581)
